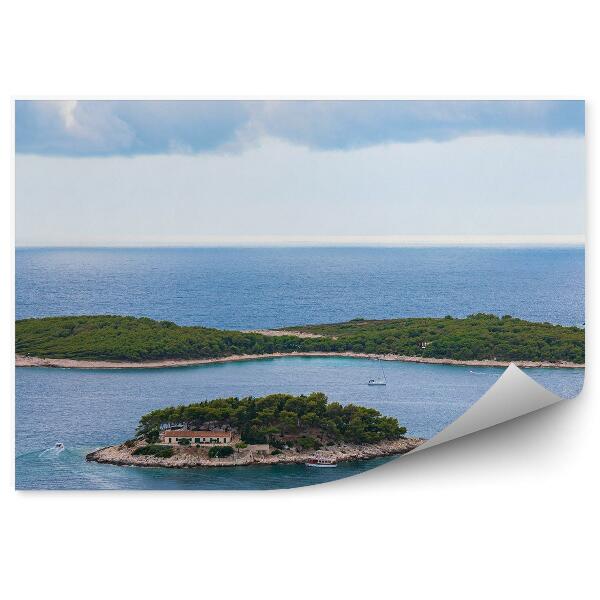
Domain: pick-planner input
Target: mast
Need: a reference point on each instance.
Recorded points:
(382, 370)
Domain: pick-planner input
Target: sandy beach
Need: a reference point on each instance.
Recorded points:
(284, 332)
(68, 363)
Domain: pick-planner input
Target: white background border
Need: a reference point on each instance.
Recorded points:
(507, 513)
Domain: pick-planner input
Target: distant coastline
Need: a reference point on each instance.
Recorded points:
(112, 341)
(69, 363)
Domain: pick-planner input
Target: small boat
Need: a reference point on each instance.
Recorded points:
(59, 446)
(378, 381)
(321, 461)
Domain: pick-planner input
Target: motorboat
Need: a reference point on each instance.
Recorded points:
(321, 461)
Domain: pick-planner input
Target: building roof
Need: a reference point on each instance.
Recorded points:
(189, 433)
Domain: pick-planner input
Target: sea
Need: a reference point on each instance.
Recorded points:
(248, 288)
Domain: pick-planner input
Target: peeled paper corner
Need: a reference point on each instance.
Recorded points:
(513, 395)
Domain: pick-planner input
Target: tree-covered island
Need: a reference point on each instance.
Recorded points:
(477, 337)
(278, 428)
(278, 419)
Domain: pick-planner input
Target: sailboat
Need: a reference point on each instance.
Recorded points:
(382, 381)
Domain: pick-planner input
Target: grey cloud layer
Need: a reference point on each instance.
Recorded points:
(127, 128)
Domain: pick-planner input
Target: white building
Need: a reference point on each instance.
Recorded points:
(172, 436)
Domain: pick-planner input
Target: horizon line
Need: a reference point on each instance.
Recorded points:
(325, 241)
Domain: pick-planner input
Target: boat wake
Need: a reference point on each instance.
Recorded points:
(51, 452)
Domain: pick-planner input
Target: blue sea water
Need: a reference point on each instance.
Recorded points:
(247, 288)
(86, 409)
(274, 287)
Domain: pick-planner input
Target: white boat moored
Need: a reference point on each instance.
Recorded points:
(321, 461)
(382, 381)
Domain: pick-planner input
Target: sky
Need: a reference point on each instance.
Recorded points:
(298, 172)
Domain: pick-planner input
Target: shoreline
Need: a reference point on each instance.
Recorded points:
(69, 363)
(190, 458)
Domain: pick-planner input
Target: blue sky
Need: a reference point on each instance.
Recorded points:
(198, 172)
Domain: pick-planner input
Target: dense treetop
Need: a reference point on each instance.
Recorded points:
(306, 421)
(479, 336)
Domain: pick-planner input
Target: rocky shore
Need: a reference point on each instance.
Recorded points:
(190, 457)
(69, 363)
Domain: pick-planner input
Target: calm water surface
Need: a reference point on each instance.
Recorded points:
(86, 409)
(274, 287)
(243, 288)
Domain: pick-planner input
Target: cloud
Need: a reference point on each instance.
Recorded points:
(344, 125)
(104, 128)
(129, 128)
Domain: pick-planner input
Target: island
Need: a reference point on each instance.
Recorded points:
(110, 341)
(278, 428)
